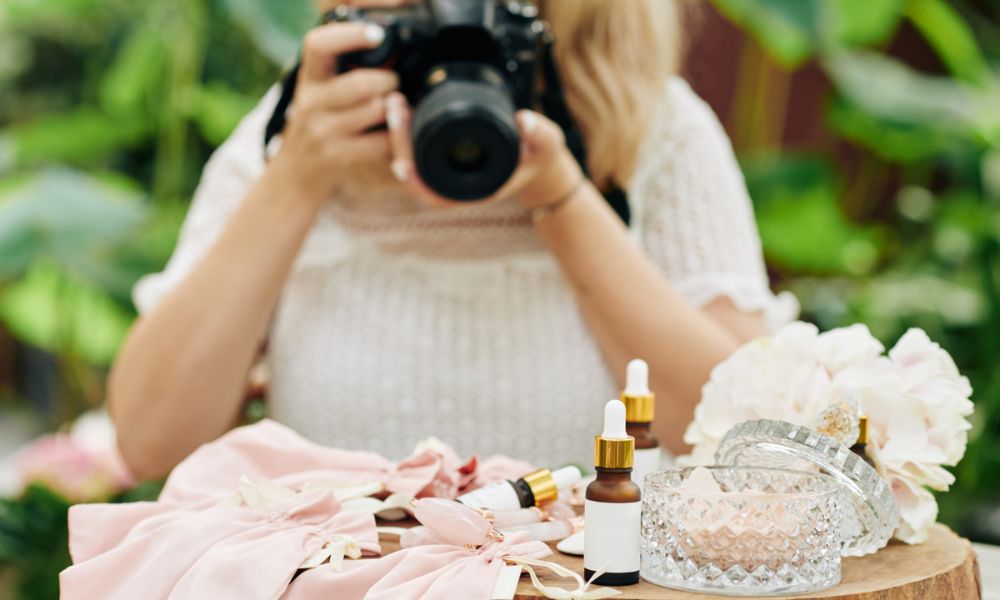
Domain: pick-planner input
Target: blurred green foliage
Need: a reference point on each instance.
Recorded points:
(906, 231)
(109, 109)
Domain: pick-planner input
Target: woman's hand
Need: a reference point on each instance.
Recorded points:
(546, 172)
(330, 122)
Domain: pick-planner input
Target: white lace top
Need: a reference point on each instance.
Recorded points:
(399, 321)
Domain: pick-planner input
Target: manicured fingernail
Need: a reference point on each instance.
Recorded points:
(528, 121)
(374, 34)
(400, 169)
(392, 117)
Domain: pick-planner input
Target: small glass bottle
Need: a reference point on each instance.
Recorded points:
(860, 447)
(612, 509)
(640, 405)
(534, 489)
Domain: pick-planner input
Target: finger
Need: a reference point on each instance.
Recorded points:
(398, 117)
(325, 43)
(366, 148)
(362, 117)
(351, 88)
(539, 135)
(400, 143)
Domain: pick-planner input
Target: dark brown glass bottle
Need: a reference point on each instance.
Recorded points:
(639, 410)
(612, 508)
(860, 447)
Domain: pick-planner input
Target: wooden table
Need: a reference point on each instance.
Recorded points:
(943, 568)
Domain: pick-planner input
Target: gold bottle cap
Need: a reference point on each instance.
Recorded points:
(542, 485)
(862, 429)
(614, 449)
(639, 409)
(638, 399)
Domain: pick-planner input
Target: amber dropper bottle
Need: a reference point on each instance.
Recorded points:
(861, 446)
(612, 509)
(640, 404)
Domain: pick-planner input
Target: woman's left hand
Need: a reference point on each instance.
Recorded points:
(546, 172)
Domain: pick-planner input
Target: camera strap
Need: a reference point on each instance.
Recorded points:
(276, 124)
(553, 101)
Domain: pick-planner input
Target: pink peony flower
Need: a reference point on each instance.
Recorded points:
(82, 466)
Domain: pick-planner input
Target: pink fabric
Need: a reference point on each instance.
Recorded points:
(164, 550)
(442, 569)
(204, 539)
(268, 450)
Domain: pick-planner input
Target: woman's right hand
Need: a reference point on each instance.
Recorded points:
(329, 125)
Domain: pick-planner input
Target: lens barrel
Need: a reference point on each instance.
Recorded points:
(465, 138)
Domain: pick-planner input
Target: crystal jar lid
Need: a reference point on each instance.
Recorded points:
(869, 509)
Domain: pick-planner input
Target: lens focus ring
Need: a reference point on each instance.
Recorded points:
(466, 142)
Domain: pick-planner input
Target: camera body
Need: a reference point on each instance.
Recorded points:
(466, 66)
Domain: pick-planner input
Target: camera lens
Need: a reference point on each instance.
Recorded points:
(466, 142)
(467, 155)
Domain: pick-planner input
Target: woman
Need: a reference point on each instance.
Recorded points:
(499, 326)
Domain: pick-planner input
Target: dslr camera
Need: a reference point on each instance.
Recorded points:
(465, 66)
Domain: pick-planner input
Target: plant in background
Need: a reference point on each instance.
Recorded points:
(896, 222)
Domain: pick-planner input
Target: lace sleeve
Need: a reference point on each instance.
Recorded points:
(226, 179)
(693, 214)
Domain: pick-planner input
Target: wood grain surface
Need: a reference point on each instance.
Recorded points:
(943, 568)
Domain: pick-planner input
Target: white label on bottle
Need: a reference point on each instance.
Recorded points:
(647, 461)
(499, 495)
(611, 542)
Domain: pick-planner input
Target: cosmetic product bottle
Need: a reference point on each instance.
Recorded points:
(639, 408)
(860, 447)
(612, 508)
(534, 489)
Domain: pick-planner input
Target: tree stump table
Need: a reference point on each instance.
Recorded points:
(943, 568)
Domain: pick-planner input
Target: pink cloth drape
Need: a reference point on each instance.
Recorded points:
(238, 518)
(458, 556)
(164, 550)
(267, 450)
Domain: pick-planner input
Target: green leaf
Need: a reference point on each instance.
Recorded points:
(52, 311)
(65, 217)
(951, 37)
(786, 29)
(217, 110)
(136, 75)
(861, 22)
(85, 135)
(275, 27)
(908, 143)
(801, 226)
(891, 92)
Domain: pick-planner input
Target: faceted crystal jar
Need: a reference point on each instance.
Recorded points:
(761, 532)
(870, 514)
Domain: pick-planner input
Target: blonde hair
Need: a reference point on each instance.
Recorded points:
(614, 57)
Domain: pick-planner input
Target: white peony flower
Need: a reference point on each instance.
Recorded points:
(915, 398)
(917, 510)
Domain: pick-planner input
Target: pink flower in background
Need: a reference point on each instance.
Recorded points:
(83, 465)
